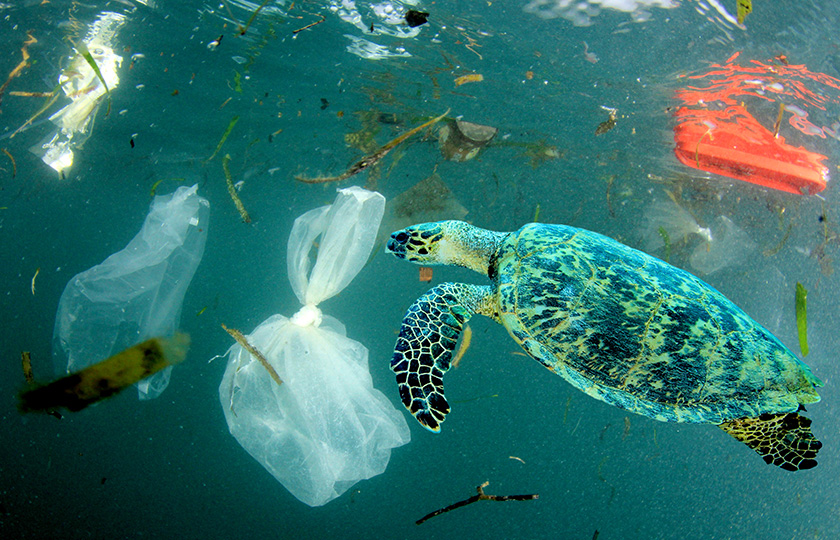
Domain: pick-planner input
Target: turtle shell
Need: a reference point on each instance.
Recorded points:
(638, 333)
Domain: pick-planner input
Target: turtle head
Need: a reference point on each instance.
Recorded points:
(445, 242)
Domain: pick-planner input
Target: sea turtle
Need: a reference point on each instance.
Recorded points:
(620, 325)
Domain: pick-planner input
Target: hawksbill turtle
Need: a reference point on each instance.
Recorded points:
(620, 325)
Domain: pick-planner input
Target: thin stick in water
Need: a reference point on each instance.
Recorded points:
(481, 496)
(237, 335)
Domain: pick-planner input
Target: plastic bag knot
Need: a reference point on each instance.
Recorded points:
(308, 315)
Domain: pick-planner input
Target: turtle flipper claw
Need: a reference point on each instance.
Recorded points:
(428, 336)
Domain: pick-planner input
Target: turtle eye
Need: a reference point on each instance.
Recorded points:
(401, 237)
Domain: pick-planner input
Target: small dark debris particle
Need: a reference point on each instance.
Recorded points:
(415, 18)
(324, 104)
(371, 28)
(103, 481)
(821, 218)
(271, 137)
(131, 142)
(175, 92)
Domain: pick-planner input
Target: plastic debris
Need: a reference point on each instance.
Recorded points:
(716, 133)
(135, 293)
(463, 141)
(90, 77)
(669, 223)
(326, 427)
(728, 245)
(428, 200)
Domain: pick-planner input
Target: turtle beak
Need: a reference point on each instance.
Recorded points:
(396, 244)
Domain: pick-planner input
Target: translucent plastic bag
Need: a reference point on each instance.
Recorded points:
(136, 293)
(325, 427)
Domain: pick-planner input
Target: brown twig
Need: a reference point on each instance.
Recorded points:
(481, 496)
(310, 25)
(14, 165)
(237, 335)
(30, 39)
(372, 159)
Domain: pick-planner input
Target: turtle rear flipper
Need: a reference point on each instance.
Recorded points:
(785, 440)
(428, 336)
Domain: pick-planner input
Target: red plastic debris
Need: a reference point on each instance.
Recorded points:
(732, 143)
(715, 132)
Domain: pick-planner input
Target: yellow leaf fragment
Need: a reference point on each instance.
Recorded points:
(472, 77)
(108, 377)
(744, 9)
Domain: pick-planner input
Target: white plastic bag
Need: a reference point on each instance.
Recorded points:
(326, 427)
(135, 293)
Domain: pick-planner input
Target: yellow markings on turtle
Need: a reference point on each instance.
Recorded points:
(644, 357)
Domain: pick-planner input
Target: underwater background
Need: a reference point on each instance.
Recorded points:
(314, 102)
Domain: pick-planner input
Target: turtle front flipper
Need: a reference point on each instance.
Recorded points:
(428, 335)
(785, 440)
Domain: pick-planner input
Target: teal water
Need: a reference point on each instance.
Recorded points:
(169, 468)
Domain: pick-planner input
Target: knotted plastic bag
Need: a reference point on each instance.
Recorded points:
(325, 427)
(136, 293)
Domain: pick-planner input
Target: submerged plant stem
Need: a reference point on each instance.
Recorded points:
(371, 159)
(232, 190)
(475, 498)
(237, 335)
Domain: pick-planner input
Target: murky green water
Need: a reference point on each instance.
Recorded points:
(169, 468)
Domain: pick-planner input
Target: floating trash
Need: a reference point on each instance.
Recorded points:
(716, 133)
(462, 141)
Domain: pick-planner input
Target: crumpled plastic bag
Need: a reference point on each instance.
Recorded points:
(136, 293)
(325, 427)
(86, 90)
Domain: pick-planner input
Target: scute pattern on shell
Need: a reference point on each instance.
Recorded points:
(640, 334)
